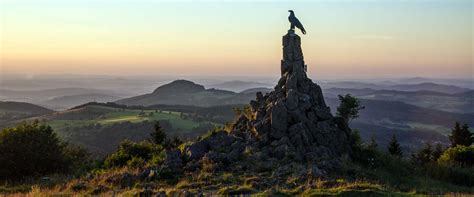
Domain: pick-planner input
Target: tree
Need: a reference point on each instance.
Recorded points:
(424, 155)
(172, 143)
(437, 152)
(33, 149)
(132, 153)
(394, 147)
(158, 136)
(349, 107)
(373, 144)
(461, 135)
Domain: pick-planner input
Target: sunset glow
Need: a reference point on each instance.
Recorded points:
(428, 38)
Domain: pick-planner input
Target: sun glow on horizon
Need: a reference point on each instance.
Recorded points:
(237, 37)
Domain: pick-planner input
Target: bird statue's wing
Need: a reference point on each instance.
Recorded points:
(299, 25)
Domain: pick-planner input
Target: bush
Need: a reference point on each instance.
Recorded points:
(454, 174)
(459, 155)
(33, 149)
(129, 150)
(365, 154)
(136, 162)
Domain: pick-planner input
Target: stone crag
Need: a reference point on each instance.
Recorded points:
(294, 117)
(289, 126)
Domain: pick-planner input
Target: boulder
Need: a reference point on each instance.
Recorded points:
(196, 150)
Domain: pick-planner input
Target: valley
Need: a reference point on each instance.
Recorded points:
(189, 109)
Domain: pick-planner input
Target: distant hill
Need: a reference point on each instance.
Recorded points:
(458, 103)
(449, 89)
(65, 102)
(255, 90)
(21, 107)
(427, 86)
(238, 86)
(182, 92)
(60, 98)
(11, 111)
(460, 82)
(349, 84)
(402, 116)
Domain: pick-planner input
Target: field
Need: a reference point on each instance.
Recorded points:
(109, 116)
(101, 129)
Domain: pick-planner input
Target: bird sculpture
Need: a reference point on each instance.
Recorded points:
(295, 22)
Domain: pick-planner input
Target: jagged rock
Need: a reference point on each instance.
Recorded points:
(291, 122)
(196, 150)
(278, 120)
(173, 160)
(220, 141)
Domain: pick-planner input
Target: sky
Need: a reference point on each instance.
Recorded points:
(358, 38)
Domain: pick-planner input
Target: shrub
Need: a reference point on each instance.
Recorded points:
(128, 150)
(33, 149)
(136, 162)
(453, 174)
(365, 154)
(459, 155)
(424, 155)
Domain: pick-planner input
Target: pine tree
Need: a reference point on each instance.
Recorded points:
(158, 136)
(461, 135)
(394, 147)
(373, 144)
(437, 152)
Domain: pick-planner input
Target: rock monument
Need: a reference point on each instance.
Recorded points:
(290, 125)
(294, 119)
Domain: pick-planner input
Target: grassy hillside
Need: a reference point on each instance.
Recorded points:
(102, 128)
(106, 116)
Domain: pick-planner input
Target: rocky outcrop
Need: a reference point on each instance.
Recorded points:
(291, 124)
(294, 119)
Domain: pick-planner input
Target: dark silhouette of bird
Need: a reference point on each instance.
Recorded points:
(295, 22)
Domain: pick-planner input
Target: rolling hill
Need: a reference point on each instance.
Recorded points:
(426, 86)
(458, 103)
(401, 116)
(182, 92)
(65, 102)
(21, 107)
(11, 111)
(100, 128)
(238, 86)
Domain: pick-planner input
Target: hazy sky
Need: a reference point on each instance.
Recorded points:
(347, 38)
